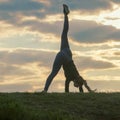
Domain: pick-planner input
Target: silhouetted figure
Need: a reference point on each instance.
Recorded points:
(64, 58)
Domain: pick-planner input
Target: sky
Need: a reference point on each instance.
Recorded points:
(30, 32)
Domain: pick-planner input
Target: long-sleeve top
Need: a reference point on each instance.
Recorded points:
(70, 70)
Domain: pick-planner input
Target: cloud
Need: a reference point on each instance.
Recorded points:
(52, 5)
(105, 86)
(111, 18)
(116, 1)
(85, 5)
(18, 62)
(87, 63)
(22, 5)
(39, 8)
(2, 1)
(44, 27)
(23, 87)
(11, 10)
(22, 57)
(29, 67)
(58, 86)
(11, 70)
(80, 30)
(91, 32)
(117, 53)
(24, 64)
(38, 24)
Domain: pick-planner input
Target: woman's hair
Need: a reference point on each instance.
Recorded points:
(78, 81)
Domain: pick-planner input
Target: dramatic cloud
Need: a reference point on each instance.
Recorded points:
(30, 68)
(116, 1)
(117, 53)
(85, 5)
(30, 35)
(11, 70)
(12, 8)
(89, 63)
(22, 5)
(18, 62)
(22, 57)
(81, 31)
(91, 32)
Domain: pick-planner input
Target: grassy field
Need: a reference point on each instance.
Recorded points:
(60, 106)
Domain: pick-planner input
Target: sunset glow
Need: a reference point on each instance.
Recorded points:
(30, 35)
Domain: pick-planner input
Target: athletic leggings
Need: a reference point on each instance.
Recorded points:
(63, 56)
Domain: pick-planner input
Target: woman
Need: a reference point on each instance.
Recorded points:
(64, 59)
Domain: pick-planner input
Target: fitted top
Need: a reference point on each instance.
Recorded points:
(70, 70)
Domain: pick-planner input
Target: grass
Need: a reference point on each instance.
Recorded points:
(60, 106)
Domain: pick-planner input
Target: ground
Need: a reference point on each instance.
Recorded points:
(60, 106)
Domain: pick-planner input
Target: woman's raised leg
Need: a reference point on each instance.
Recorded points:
(64, 38)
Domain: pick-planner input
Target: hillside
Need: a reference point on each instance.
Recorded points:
(60, 106)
